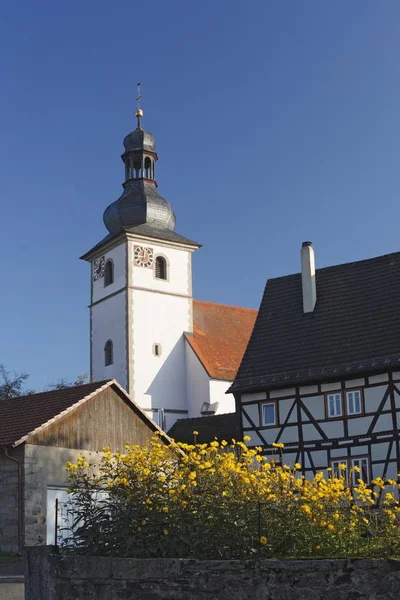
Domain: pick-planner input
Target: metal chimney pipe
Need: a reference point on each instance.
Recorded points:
(308, 277)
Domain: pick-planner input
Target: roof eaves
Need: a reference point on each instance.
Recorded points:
(314, 374)
(189, 340)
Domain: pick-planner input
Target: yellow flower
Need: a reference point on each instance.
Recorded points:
(192, 475)
(297, 465)
(365, 520)
(331, 527)
(263, 540)
(165, 531)
(144, 522)
(165, 509)
(280, 445)
(246, 438)
(318, 547)
(195, 433)
(306, 508)
(356, 469)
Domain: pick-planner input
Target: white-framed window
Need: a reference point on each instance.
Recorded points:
(354, 402)
(335, 465)
(334, 405)
(268, 412)
(361, 463)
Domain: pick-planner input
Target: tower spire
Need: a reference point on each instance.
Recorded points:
(139, 112)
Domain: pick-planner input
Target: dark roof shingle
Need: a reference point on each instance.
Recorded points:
(222, 427)
(355, 325)
(22, 415)
(145, 231)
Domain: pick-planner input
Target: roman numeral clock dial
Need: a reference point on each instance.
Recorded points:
(143, 257)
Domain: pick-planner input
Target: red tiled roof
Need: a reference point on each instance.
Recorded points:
(22, 415)
(220, 337)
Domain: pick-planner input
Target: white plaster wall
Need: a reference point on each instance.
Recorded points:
(320, 459)
(118, 256)
(252, 396)
(379, 378)
(373, 397)
(358, 425)
(178, 265)
(109, 323)
(159, 381)
(316, 406)
(333, 429)
(284, 407)
(226, 402)
(268, 434)
(290, 434)
(310, 433)
(253, 413)
(282, 393)
(197, 382)
(384, 423)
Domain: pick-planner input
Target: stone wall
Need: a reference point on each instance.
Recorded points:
(58, 577)
(44, 468)
(9, 501)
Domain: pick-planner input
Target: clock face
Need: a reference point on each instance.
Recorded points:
(143, 257)
(98, 268)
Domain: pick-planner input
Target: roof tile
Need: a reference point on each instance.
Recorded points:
(220, 336)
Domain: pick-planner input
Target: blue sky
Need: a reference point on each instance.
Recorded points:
(275, 122)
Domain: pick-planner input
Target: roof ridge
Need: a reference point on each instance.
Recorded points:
(224, 305)
(343, 264)
(55, 391)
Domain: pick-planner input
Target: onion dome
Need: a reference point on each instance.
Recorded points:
(139, 140)
(139, 204)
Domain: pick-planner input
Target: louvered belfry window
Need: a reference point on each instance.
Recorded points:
(161, 268)
(109, 273)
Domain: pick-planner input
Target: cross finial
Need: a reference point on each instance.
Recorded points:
(139, 112)
(139, 96)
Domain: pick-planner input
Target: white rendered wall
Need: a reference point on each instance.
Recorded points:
(179, 279)
(197, 383)
(161, 311)
(159, 381)
(118, 256)
(109, 323)
(226, 402)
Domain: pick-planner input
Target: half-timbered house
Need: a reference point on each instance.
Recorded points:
(321, 373)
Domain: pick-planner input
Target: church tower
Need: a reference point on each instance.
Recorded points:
(141, 290)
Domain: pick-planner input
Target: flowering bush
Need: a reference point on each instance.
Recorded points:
(225, 501)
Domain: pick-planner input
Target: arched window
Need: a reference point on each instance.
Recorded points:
(137, 169)
(109, 273)
(161, 267)
(108, 353)
(147, 167)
